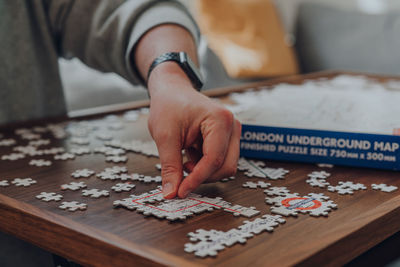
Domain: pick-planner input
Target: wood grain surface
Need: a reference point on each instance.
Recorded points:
(104, 236)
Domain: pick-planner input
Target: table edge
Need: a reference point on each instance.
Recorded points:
(43, 223)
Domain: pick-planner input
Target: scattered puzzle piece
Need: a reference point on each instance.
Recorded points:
(28, 150)
(30, 136)
(115, 173)
(353, 186)
(72, 206)
(73, 186)
(13, 156)
(319, 175)
(85, 173)
(276, 191)
(23, 182)
(40, 162)
(44, 196)
(80, 151)
(123, 187)
(146, 179)
(284, 211)
(116, 159)
(325, 165)
(340, 190)
(40, 142)
(4, 183)
(254, 185)
(115, 152)
(321, 183)
(124, 176)
(107, 176)
(346, 188)
(384, 187)
(116, 169)
(21, 131)
(7, 142)
(95, 193)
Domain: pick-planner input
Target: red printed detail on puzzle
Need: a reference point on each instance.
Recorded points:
(286, 203)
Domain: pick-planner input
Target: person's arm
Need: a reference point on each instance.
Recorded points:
(103, 33)
(182, 118)
(116, 35)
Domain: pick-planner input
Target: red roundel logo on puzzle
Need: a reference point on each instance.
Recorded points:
(301, 203)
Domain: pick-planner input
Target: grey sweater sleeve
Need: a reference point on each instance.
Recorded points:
(103, 33)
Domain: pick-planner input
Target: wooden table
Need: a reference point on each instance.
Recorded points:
(103, 236)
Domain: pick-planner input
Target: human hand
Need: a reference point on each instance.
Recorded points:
(182, 118)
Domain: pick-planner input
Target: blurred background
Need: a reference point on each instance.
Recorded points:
(259, 39)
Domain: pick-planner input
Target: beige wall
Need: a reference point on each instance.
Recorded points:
(288, 8)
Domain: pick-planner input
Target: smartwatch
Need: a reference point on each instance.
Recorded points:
(186, 65)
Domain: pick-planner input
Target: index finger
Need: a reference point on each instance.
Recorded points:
(215, 147)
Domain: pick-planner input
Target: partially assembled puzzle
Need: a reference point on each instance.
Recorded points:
(180, 209)
(210, 242)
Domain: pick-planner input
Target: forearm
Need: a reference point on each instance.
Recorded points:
(159, 40)
(182, 118)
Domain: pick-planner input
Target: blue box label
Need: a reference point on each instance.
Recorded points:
(318, 146)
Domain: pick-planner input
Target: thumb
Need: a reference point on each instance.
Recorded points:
(170, 152)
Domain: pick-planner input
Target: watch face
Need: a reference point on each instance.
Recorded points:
(191, 69)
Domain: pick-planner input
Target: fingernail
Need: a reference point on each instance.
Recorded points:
(167, 189)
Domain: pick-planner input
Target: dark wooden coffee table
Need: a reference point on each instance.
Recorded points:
(104, 236)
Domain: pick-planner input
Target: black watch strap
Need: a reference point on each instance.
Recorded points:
(172, 56)
(183, 60)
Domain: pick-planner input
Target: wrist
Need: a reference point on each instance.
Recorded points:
(167, 75)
